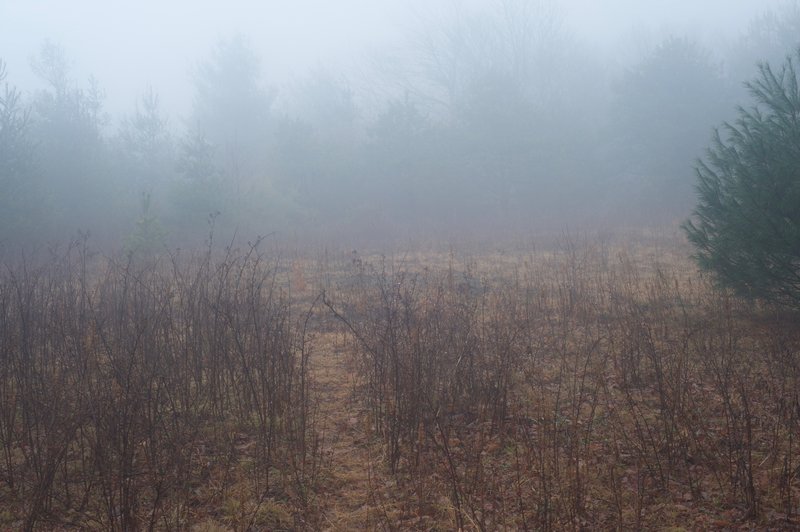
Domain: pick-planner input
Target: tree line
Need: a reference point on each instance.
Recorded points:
(494, 120)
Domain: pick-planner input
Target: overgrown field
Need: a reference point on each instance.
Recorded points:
(155, 393)
(576, 387)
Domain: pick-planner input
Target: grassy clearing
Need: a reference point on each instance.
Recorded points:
(584, 386)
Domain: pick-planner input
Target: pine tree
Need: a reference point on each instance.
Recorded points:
(746, 227)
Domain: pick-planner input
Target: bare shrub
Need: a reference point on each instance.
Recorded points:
(133, 387)
(580, 389)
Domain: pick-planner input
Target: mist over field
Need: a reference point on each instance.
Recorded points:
(365, 122)
(399, 265)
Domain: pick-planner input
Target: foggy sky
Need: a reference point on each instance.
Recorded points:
(129, 46)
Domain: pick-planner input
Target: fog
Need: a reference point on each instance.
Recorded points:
(365, 122)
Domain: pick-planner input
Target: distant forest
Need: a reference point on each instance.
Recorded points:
(498, 121)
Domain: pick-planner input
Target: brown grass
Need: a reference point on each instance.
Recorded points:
(152, 394)
(585, 386)
(582, 388)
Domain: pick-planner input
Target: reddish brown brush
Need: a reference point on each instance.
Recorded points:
(578, 390)
(146, 394)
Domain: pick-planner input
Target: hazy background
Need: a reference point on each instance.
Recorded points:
(130, 45)
(366, 121)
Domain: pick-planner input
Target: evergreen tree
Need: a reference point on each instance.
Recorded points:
(746, 227)
(149, 236)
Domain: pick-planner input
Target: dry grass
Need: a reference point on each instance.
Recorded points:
(580, 387)
(587, 387)
(144, 394)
